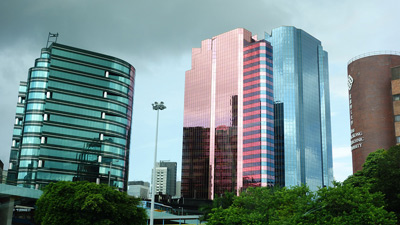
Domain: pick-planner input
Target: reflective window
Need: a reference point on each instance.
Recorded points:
(39, 74)
(90, 102)
(91, 59)
(36, 95)
(28, 163)
(29, 151)
(114, 172)
(22, 89)
(72, 109)
(89, 80)
(35, 106)
(74, 66)
(54, 176)
(70, 131)
(45, 56)
(20, 110)
(34, 117)
(17, 131)
(38, 84)
(68, 154)
(75, 88)
(31, 140)
(42, 64)
(32, 129)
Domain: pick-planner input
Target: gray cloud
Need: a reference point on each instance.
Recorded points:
(156, 36)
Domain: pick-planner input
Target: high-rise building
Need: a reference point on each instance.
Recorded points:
(303, 146)
(171, 176)
(228, 116)
(166, 178)
(374, 94)
(73, 119)
(139, 189)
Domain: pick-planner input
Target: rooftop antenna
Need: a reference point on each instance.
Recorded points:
(51, 38)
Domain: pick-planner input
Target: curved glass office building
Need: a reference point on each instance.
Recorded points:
(73, 119)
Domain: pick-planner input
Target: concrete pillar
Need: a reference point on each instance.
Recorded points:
(6, 211)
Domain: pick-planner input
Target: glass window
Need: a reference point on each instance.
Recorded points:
(35, 106)
(42, 64)
(22, 89)
(20, 110)
(36, 95)
(45, 56)
(38, 84)
(89, 80)
(90, 102)
(32, 129)
(396, 97)
(116, 140)
(39, 74)
(71, 132)
(29, 151)
(34, 117)
(68, 154)
(54, 176)
(72, 109)
(75, 88)
(91, 59)
(31, 140)
(88, 123)
(397, 118)
(17, 131)
(114, 172)
(28, 163)
(74, 66)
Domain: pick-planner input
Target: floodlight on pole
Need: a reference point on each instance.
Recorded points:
(109, 172)
(157, 107)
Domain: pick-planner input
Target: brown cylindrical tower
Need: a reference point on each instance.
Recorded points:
(371, 105)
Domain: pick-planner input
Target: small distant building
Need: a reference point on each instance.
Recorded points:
(1, 171)
(139, 189)
(178, 189)
(166, 178)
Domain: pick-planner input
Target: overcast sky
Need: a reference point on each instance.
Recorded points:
(156, 37)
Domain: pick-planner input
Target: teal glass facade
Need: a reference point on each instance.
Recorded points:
(73, 119)
(301, 93)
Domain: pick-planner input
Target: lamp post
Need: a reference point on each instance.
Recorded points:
(109, 172)
(157, 107)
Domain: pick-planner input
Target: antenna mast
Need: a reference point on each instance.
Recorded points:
(52, 38)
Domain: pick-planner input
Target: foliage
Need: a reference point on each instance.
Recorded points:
(341, 204)
(223, 201)
(381, 173)
(85, 203)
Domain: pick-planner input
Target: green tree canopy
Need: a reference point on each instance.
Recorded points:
(381, 173)
(341, 204)
(85, 203)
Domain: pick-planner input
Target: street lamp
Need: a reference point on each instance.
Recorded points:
(109, 172)
(157, 107)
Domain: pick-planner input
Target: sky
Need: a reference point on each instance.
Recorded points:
(156, 37)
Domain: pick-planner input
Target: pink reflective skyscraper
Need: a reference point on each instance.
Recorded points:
(228, 118)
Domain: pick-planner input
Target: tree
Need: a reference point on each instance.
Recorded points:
(85, 203)
(223, 201)
(381, 173)
(341, 204)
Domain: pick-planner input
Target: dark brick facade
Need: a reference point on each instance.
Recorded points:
(371, 106)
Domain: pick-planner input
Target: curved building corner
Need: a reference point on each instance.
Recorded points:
(371, 101)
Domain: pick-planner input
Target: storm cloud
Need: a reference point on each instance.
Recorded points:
(156, 37)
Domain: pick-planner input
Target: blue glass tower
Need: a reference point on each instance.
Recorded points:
(302, 109)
